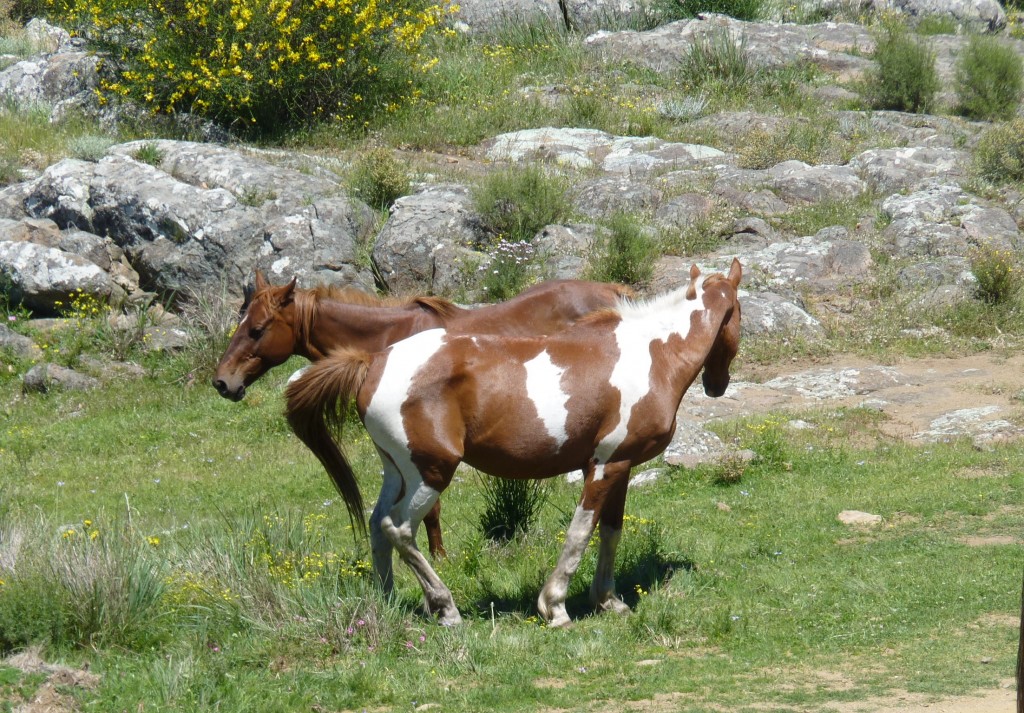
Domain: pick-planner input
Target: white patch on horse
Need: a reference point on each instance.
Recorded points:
(383, 419)
(544, 388)
(641, 325)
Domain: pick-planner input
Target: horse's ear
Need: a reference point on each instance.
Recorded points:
(247, 292)
(735, 273)
(261, 281)
(287, 293)
(691, 290)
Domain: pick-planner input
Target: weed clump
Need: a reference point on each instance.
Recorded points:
(999, 155)
(379, 178)
(716, 58)
(626, 255)
(998, 274)
(511, 507)
(989, 79)
(905, 78)
(671, 10)
(514, 204)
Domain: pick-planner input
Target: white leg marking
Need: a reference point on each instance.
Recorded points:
(544, 388)
(551, 602)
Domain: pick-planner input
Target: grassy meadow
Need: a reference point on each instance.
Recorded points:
(195, 557)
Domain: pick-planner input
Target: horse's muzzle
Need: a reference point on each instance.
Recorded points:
(222, 389)
(715, 389)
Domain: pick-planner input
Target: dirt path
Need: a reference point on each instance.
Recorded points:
(979, 396)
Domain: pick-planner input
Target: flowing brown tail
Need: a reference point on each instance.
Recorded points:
(316, 409)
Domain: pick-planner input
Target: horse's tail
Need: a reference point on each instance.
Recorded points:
(317, 402)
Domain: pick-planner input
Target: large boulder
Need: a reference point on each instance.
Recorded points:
(427, 243)
(206, 216)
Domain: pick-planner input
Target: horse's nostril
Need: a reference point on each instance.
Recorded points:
(220, 386)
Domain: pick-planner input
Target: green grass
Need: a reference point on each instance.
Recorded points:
(773, 590)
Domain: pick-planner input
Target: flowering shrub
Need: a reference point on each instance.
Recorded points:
(998, 273)
(261, 65)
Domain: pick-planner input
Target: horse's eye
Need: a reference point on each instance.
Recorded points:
(255, 332)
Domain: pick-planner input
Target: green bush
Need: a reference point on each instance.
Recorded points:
(999, 155)
(511, 507)
(626, 255)
(905, 78)
(261, 66)
(379, 179)
(989, 79)
(514, 204)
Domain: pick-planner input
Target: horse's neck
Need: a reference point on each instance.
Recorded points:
(340, 324)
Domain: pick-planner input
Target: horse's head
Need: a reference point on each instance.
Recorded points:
(265, 337)
(727, 342)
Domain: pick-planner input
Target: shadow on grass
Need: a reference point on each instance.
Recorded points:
(646, 572)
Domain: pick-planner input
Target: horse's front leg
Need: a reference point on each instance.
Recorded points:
(602, 589)
(604, 486)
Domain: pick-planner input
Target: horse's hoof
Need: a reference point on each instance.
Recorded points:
(561, 621)
(615, 605)
(450, 619)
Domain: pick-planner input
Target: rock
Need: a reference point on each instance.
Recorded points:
(427, 242)
(797, 182)
(207, 216)
(901, 169)
(840, 49)
(590, 148)
(40, 276)
(683, 211)
(484, 16)
(828, 384)
(42, 377)
(768, 313)
(856, 518)
(564, 249)
(606, 196)
(17, 344)
(692, 445)
(976, 15)
(646, 477)
(983, 425)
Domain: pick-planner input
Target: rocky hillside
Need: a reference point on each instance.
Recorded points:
(892, 212)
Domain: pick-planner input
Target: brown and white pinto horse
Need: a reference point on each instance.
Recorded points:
(279, 321)
(600, 396)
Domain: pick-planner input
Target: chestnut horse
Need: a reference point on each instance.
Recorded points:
(600, 396)
(279, 321)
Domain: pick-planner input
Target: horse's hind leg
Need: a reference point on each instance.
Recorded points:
(400, 526)
(380, 545)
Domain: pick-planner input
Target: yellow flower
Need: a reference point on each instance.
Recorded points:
(153, 540)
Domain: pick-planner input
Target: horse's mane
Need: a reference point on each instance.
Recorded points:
(353, 296)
